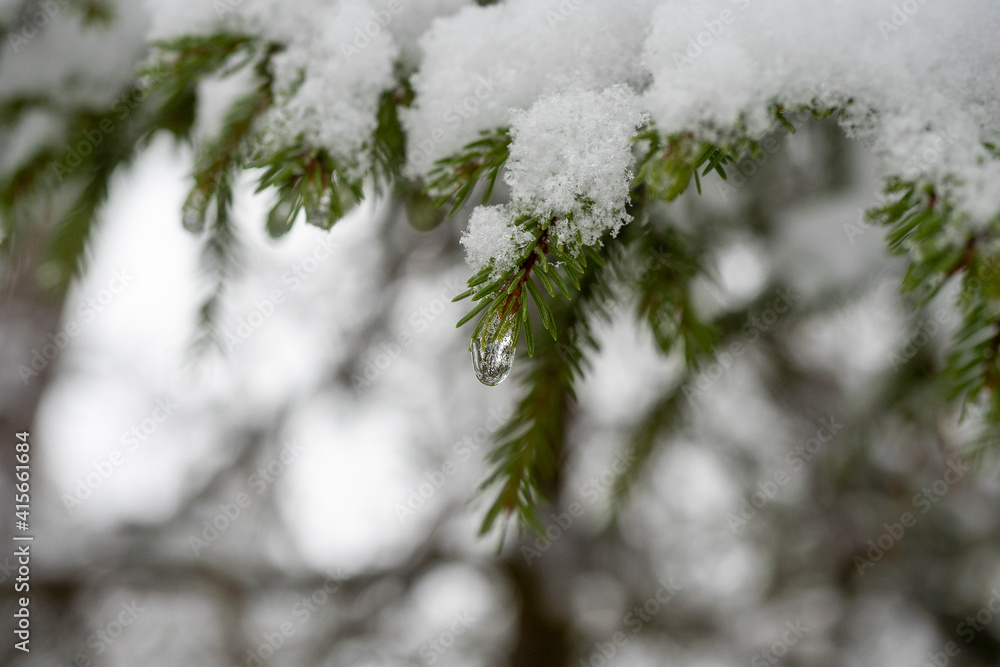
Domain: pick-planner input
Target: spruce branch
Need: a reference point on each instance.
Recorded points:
(217, 166)
(388, 145)
(524, 464)
(161, 98)
(667, 164)
(505, 299)
(662, 418)
(220, 258)
(453, 178)
(918, 218)
(663, 294)
(86, 181)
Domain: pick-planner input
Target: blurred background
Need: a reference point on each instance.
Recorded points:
(304, 492)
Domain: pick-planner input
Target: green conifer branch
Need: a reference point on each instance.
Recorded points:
(663, 291)
(220, 258)
(453, 178)
(663, 417)
(524, 464)
(917, 220)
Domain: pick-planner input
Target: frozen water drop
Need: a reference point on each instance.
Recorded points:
(493, 355)
(318, 210)
(193, 212)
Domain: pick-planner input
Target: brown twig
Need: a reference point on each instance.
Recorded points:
(514, 298)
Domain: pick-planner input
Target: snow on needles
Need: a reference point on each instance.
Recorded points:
(329, 88)
(493, 237)
(337, 60)
(484, 61)
(571, 157)
(916, 81)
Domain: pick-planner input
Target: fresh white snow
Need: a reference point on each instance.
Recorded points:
(916, 79)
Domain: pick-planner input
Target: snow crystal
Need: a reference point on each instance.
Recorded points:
(571, 157)
(493, 237)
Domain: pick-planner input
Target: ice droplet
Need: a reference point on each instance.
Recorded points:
(318, 210)
(493, 356)
(193, 212)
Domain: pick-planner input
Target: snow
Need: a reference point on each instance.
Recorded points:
(49, 53)
(916, 81)
(34, 130)
(338, 59)
(572, 79)
(571, 157)
(408, 20)
(493, 236)
(330, 87)
(328, 78)
(484, 61)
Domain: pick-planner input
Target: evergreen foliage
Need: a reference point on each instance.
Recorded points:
(563, 289)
